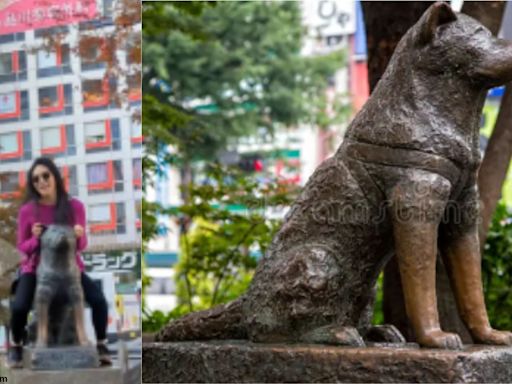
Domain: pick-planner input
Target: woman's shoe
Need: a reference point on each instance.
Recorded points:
(15, 356)
(104, 354)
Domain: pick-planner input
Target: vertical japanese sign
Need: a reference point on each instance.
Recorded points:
(22, 15)
(330, 17)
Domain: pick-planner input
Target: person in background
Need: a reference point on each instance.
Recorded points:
(47, 202)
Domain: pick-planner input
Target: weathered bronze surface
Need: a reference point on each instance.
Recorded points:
(403, 181)
(232, 361)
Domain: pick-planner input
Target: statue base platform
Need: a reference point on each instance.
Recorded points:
(242, 361)
(61, 358)
(77, 376)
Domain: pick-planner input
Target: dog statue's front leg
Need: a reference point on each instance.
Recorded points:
(78, 311)
(461, 254)
(417, 206)
(77, 298)
(42, 324)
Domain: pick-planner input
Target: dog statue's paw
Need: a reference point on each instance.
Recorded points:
(334, 335)
(41, 344)
(386, 333)
(85, 343)
(439, 339)
(493, 336)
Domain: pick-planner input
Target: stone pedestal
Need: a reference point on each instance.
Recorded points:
(108, 375)
(60, 358)
(241, 361)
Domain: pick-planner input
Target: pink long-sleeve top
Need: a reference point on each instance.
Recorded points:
(28, 244)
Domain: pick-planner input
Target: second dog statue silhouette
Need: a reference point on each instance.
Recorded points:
(59, 298)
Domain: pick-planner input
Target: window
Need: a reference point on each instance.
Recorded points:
(9, 104)
(138, 214)
(104, 177)
(104, 20)
(107, 218)
(58, 140)
(15, 147)
(134, 88)
(69, 176)
(53, 62)
(11, 145)
(97, 94)
(103, 135)
(11, 184)
(12, 37)
(136, 132)
(13, 66)
(14, 106)
(55, 101)
(133, 49)
(6, 64)
(96, 52)
(47, 32)
(137, 173)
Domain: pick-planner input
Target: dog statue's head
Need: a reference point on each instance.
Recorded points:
(453, 45)
(58, 240)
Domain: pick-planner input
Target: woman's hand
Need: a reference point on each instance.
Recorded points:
(37, 229)
(79, 231)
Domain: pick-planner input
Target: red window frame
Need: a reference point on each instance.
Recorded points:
(60, 148)
(18, 153)
(105, 143)
(17, 112)
(137, 182)
(107, 226)
(135, 95)
(65, 177)
(100, 103)
(60, 105)
(138, 213)
(109, 184)
(58, 56)
(137, 139)
(21, 184)
(15, 60)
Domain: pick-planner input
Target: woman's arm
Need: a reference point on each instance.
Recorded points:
(27, 242)
(81, 242)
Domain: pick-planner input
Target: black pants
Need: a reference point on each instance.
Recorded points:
(24, 296)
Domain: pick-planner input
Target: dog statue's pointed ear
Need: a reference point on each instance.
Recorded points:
(438, 14)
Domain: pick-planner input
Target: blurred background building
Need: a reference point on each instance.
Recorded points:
(57, 101)
(292, 153)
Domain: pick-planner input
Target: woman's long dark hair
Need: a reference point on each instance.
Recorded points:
(63, 210)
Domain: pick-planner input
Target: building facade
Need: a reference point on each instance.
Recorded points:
(57, 100)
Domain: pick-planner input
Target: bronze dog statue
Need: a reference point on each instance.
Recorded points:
(402, 182)
(58, 275)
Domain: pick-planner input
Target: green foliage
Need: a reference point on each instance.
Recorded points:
(378, 314)
(246, 73)
(497, 269)
(157, 21)
(229, 229)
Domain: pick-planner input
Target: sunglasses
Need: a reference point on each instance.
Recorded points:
(43, 176)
